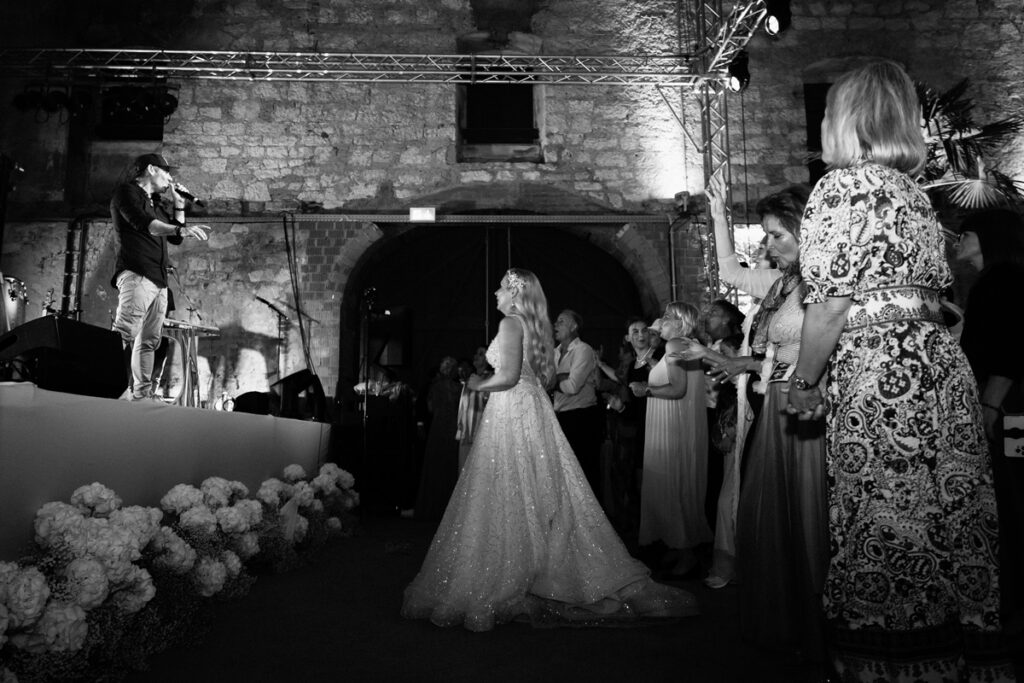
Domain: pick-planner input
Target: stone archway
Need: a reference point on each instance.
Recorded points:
(641, 249)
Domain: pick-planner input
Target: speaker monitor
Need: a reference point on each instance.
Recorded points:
(66, 355)
(300, 395)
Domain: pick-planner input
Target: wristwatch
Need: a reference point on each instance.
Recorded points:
(801, 384)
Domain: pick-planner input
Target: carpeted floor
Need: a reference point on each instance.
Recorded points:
(337, 619)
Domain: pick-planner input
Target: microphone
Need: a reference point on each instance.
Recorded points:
(185, 194)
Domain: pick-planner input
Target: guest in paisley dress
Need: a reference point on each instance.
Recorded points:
(523, 534)
(912, 591)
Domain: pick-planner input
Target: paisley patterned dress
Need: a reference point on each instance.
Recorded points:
(523, 535)
(912, 591)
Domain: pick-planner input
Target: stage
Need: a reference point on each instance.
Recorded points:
(51, 443)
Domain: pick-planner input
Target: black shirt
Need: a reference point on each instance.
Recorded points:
(132, 211)
(992, 324)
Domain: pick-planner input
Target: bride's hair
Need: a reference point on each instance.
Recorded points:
(532, 307)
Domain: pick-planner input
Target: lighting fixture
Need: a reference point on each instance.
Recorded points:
(778, 18)
(739, 72)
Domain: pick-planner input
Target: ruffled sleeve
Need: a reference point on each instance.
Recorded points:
(831, 245)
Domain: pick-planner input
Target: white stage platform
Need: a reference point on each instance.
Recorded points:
(51, 443)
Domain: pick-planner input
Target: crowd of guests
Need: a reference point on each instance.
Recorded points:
(836, 452)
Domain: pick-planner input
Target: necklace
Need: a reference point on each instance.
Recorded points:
(641, 360)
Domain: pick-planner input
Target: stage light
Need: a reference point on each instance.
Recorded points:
(167, 104)
(739, 72)
(778, 18)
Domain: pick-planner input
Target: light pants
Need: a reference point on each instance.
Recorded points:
(141, 307)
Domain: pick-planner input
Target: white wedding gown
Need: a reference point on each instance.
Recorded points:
(523, 534)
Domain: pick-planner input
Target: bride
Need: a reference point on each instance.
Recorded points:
(523, 535)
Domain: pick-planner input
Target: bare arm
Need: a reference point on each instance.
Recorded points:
(510, 352)
(677, 381)
(752, 281)
(823, 323)
(992, 397)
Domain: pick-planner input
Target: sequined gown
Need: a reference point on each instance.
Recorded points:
(523, 534)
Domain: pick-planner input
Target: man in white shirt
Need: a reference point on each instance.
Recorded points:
(576, 405)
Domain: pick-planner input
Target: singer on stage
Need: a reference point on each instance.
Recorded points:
(148, 211)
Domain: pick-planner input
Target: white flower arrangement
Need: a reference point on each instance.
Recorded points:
(136, 590)
(209, 576)
(87, 582)
(303, 493)
(141, 522)
(5, 619)
(181, 498)
(61, 628)
(27, 594)
(219, 492)
(100, 553)
(95, 500)
(199, 520)
(55, 521)
(232, 563)
(342, 478)
(8, 570)
(247, 545)
(232, 520)
(294, 473)
(273, 492)
(252, 510)
(173, 554)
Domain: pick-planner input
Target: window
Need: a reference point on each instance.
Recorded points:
(497, 122)
(814, 108)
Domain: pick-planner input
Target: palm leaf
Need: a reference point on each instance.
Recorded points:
(957, 147)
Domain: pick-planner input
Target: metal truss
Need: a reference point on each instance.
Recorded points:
(111, 65)
(722, 39)
(704, 73)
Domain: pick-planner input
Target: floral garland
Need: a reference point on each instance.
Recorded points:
(108, 585)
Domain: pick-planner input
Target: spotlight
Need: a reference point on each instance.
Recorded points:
(167, 104)
(739, 72)
(778, 18)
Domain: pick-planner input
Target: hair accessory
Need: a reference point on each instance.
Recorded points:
(515, 282)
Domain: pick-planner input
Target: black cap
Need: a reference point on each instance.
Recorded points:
(157, 160)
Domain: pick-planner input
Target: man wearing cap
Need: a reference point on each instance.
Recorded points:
(144, 226)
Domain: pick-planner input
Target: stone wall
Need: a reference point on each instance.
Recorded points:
(266, 151)
(940, 42)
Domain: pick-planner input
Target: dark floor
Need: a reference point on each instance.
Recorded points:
(337, 619)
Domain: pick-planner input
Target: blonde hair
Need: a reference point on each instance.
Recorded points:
(685, 315)
(532, 307)
(872, 113)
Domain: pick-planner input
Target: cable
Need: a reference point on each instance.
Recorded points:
(293, 273)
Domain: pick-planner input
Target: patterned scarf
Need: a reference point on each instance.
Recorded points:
(776, 296)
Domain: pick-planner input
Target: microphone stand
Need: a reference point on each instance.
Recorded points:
(283, 323)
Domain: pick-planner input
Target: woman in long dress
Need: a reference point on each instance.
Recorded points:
(912, 591)
(781, 528)
(523, 533)
(675, 474)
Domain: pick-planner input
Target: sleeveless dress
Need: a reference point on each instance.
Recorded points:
(675, 464)
(523, 534)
